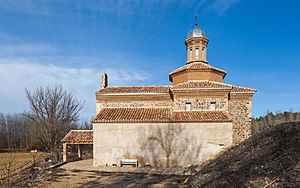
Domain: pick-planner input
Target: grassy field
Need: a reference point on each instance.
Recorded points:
(11, 163)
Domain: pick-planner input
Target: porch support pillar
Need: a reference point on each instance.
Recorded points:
(65, 152)
(79, 150)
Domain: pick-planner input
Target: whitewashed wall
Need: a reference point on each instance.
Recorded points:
(190, 143)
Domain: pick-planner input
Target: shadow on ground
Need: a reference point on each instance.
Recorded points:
(83, 178)
(134, 180)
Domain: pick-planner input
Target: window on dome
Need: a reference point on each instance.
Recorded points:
(191, 53)
(197, 53)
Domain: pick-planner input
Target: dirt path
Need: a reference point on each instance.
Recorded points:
(83, 174)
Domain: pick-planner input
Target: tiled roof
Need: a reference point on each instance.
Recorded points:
(197, 66)
(143, 115)
(239, 89)
(200, 116)
(133, 115)
(192, 84)
(205, 84)
(201, 84)
(134, 89)
(77, 136)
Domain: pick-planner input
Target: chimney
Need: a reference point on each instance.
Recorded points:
(104, 80)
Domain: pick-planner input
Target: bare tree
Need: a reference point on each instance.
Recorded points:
(269, 120)
(87, 124)
(13, 132)
(2, 132)
(53, 112)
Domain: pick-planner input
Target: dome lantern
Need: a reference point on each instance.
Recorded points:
(196, 43)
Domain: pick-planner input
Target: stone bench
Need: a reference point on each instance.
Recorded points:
(129, 162)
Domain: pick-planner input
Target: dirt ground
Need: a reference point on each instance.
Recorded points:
(83, 174)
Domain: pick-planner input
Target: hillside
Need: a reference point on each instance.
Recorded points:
(270, 120)
(270, 158)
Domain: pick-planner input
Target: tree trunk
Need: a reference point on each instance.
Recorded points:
(168, 161)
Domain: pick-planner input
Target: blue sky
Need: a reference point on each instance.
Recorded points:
(139, 42)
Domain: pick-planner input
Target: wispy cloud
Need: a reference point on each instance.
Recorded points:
(33, 7)
(222, 6)
(115, 8)
(26, 49)
(31, 64)
(16, 71)
(18, 74)
(13, 46)
(7, 38)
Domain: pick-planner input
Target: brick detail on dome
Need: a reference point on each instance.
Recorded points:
(197, 66)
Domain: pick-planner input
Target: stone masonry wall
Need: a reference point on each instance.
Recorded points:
(240, 112)
(141, 104)
(200, 103)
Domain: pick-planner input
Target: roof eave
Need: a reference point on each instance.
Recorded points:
(243, 92)
(172, 121)
(141, 93)
(200, 89)
(197, 70)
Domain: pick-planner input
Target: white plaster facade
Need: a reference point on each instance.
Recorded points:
(190, 143)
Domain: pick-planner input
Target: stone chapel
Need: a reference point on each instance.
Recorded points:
(181, 124)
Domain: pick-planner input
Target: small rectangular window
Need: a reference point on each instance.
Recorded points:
(191, 53)
(212, 106)
(188, 106)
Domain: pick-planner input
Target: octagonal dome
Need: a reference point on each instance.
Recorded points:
(196, 32)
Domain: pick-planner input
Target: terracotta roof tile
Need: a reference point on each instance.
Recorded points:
(79, 136)
(197, 66)
(133, 115)
(201, 84)
(192, 84)
(143, 115)
(201, 116)
(205, 84)
(239, 89)
(134, 89)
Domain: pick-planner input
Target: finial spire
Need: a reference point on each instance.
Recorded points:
(196, 21)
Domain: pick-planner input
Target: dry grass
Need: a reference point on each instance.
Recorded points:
(267, 159)
(11, 163)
